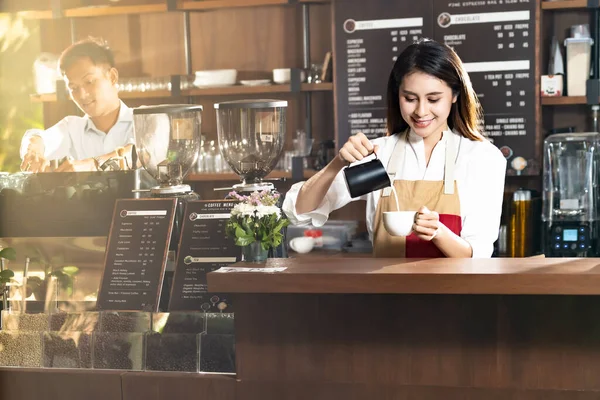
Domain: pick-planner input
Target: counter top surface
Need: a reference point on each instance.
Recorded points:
(334, 274)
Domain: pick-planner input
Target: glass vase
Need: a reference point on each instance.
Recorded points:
(254, 253)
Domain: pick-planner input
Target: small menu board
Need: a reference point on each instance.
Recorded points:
(496, 40)
(203, 248)
(136, 254)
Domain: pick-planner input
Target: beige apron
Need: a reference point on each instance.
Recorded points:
(440, 196)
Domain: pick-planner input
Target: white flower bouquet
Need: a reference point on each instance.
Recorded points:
(256, 218)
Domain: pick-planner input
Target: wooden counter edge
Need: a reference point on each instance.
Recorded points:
(527, 277)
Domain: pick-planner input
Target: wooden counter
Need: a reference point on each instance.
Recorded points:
(334, 328)
(579, 276)
(89, 384)
(330, 327)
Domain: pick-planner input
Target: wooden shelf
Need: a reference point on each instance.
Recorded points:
(236, 89)
(31, 14)
(156, 94)
(43, 98)
(99, 11)
(114, 10)
(233, 177)
(316, 87)
(563, 100)
(563, 4)
(216, 4)
(213, 91)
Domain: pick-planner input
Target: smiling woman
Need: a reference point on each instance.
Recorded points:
(443, 170)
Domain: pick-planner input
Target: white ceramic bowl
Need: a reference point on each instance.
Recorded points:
(217, 77)
(282, 75)
(399, 223)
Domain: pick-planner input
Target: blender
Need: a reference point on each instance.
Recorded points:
(570, 195)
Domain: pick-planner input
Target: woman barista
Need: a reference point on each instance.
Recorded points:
(441, 166)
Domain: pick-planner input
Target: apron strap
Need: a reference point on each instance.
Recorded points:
(449, 165)
(398, 154)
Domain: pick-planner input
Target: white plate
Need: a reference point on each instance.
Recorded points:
(256, 82)
(208, 86)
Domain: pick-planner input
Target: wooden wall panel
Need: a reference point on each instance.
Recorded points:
(161, 44)
(251, 40)
(117, 31)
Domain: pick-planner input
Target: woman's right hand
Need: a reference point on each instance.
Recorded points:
(357, 148)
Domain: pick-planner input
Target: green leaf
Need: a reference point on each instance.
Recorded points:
(6, 275)
(239, 232)
(70, 270)
(8, 253)
(244, 240)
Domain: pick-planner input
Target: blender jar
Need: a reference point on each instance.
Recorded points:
(570, 177)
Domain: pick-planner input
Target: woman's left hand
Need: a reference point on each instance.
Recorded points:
(427, 224)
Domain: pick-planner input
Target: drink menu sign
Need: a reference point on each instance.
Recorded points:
(368, 37)
(494, 38)
(136, 254)
(203, 248)
(496, 41)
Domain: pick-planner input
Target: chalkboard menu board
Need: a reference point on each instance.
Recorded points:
(368, 37)
(496, 39)
(203, 248)
(136, 254)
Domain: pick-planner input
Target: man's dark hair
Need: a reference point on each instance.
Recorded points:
(96, 50)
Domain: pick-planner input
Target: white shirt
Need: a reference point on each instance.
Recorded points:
(79, 138)
(479, 173)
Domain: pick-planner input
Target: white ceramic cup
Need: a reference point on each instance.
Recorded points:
(302, 244)
(399, 223)
(282, 75)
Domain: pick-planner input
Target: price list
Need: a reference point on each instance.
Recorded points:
(204, 248)
(367, 42)
(494, 38)
(496, 41)
(136, 254)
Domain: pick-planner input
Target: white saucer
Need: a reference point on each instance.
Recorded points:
(256, 82)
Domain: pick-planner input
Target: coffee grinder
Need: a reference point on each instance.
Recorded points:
(251, 136)
(167, 139)
(570, 195)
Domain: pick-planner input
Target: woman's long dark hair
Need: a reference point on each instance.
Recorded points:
(441, 61)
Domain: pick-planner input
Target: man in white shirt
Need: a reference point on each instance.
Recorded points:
(106, 129)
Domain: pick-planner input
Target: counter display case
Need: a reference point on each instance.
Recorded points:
(130, 341)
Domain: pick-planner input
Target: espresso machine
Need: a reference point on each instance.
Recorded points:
(570, 195)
